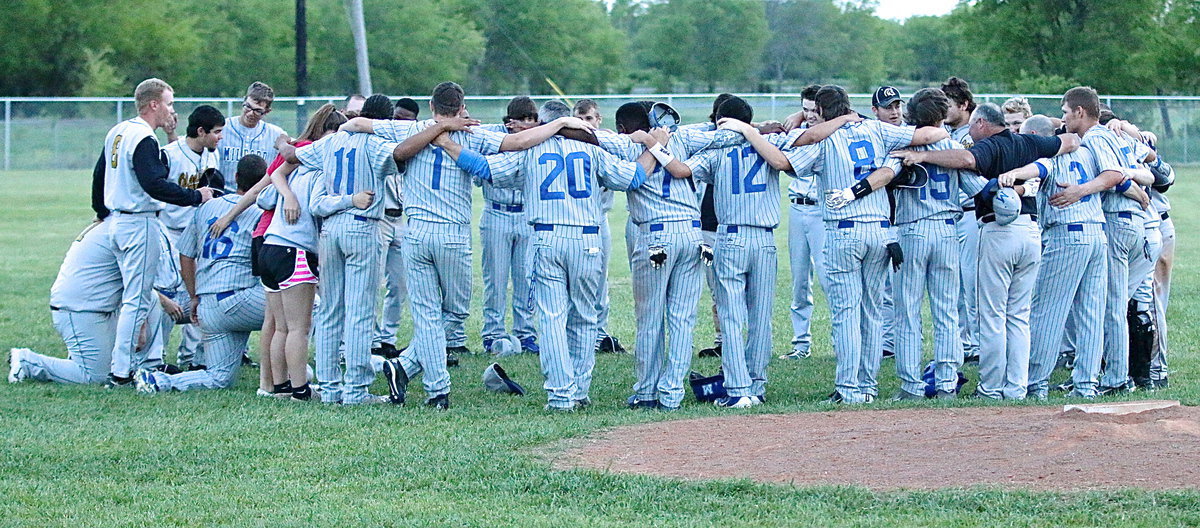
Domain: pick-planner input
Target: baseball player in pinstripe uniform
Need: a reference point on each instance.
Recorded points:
(227, 301)
(393, 260)
(1164, 178)
(926, 215)
(665, 260)
(561, 179)
(745, 180)
(958, 123)
(1124, 227)
(1074, 266)
(84, 301)
(806, 237)
(130, 183)
(505, 237)
(187, 159)
(248, 133)
(887, 105)
(856, 234)
(438, 241)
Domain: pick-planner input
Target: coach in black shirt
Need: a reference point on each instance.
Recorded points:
(995, 152)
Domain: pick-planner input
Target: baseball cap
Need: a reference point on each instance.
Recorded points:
(662, 115)
(496, 380)
(884, 96)
(1007, 206)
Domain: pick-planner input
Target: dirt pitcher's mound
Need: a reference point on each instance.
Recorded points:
(1012, 447)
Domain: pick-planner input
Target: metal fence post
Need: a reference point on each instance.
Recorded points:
(7, 133)
(774, 114)
(228, 109)
(120, 111)
(301, 117)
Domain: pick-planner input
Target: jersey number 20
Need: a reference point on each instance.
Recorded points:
(558, 165)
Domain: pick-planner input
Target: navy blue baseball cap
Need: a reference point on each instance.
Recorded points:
(885, 96)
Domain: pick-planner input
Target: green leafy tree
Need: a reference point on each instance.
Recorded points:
(710, 42)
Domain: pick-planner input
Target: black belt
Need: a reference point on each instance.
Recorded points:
(803, 200)
(735, 229)
(393, 213)
(135, 212)
(991, 217)
(969, 208)
(53, 308)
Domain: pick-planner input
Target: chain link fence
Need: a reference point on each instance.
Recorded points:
(65, 133)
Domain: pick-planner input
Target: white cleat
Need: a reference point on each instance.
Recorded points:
(16, 369)
(736, 402)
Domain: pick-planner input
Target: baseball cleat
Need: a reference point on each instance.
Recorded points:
(247, 362)
(560, 408)
(637, 403)
(16, 369)
(1114, 391)
(371, 399)
(264, 393)
(1077, 394)
(529, 345)
(1161, 384)
(1065, 386)
(868, 398)
(946, 395)
(144, 382)
(903, 395)
(796, 354)
(452, 354)
(583, 403)
(736, 402)
(397, 380)
(714, 351)
(487, 344)
(116, 382)
(385, 350)
(888, 354)
(440, 402)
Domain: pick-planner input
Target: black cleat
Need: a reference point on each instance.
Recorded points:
(440, 402)
(247, 362)
(193, 368)
(1066, 386)
(397, 381)
(1114, 391)
(609, 345)
(116, 382)
(1161, 384)
(386, 351)
(168, 368)
(714, 351)
(583, 404)
(946, 395)
(452, 354)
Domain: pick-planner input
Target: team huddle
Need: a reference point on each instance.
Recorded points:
(1039, 242)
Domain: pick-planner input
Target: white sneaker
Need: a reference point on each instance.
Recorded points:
(736, 402)
(16, 369)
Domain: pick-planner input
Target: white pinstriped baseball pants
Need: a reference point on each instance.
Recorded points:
(226, 321)
(931, 254)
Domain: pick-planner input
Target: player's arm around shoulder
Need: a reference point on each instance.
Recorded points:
(615, 173)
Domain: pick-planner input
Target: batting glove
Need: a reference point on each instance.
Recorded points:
(706, 253)
(896, 254)
(658, 256)
(838, 199)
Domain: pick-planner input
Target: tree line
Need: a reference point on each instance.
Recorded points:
(217, 47)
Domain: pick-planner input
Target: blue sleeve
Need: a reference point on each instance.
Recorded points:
(474, 164)
(1123, 186)
(639, 177)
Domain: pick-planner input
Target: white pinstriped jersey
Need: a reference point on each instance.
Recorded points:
(184, 167)
(435, 188)
(1072, 168)
(963, 136)
(89, 279)
(167, 278)
(562, 179)
(664, 198)
(350, 163)
(495, 194)
(746, 188)
(1111, 153)
(305, 183)
(122, 191)
(237, 141)
(850, 154)
(938, 199)
(222, 263)
(1138, 153)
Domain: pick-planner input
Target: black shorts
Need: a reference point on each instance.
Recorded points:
(283, 267)
(256, 245)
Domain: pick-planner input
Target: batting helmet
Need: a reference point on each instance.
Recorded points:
(911, 177)
(213, 178)
(662, 115)
(1007, 206)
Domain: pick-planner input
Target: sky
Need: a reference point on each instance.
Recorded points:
(902, 9)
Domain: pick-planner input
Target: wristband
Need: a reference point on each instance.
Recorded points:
(860, 189)
(661, 154)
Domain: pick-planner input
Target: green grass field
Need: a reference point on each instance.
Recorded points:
(77, 456)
